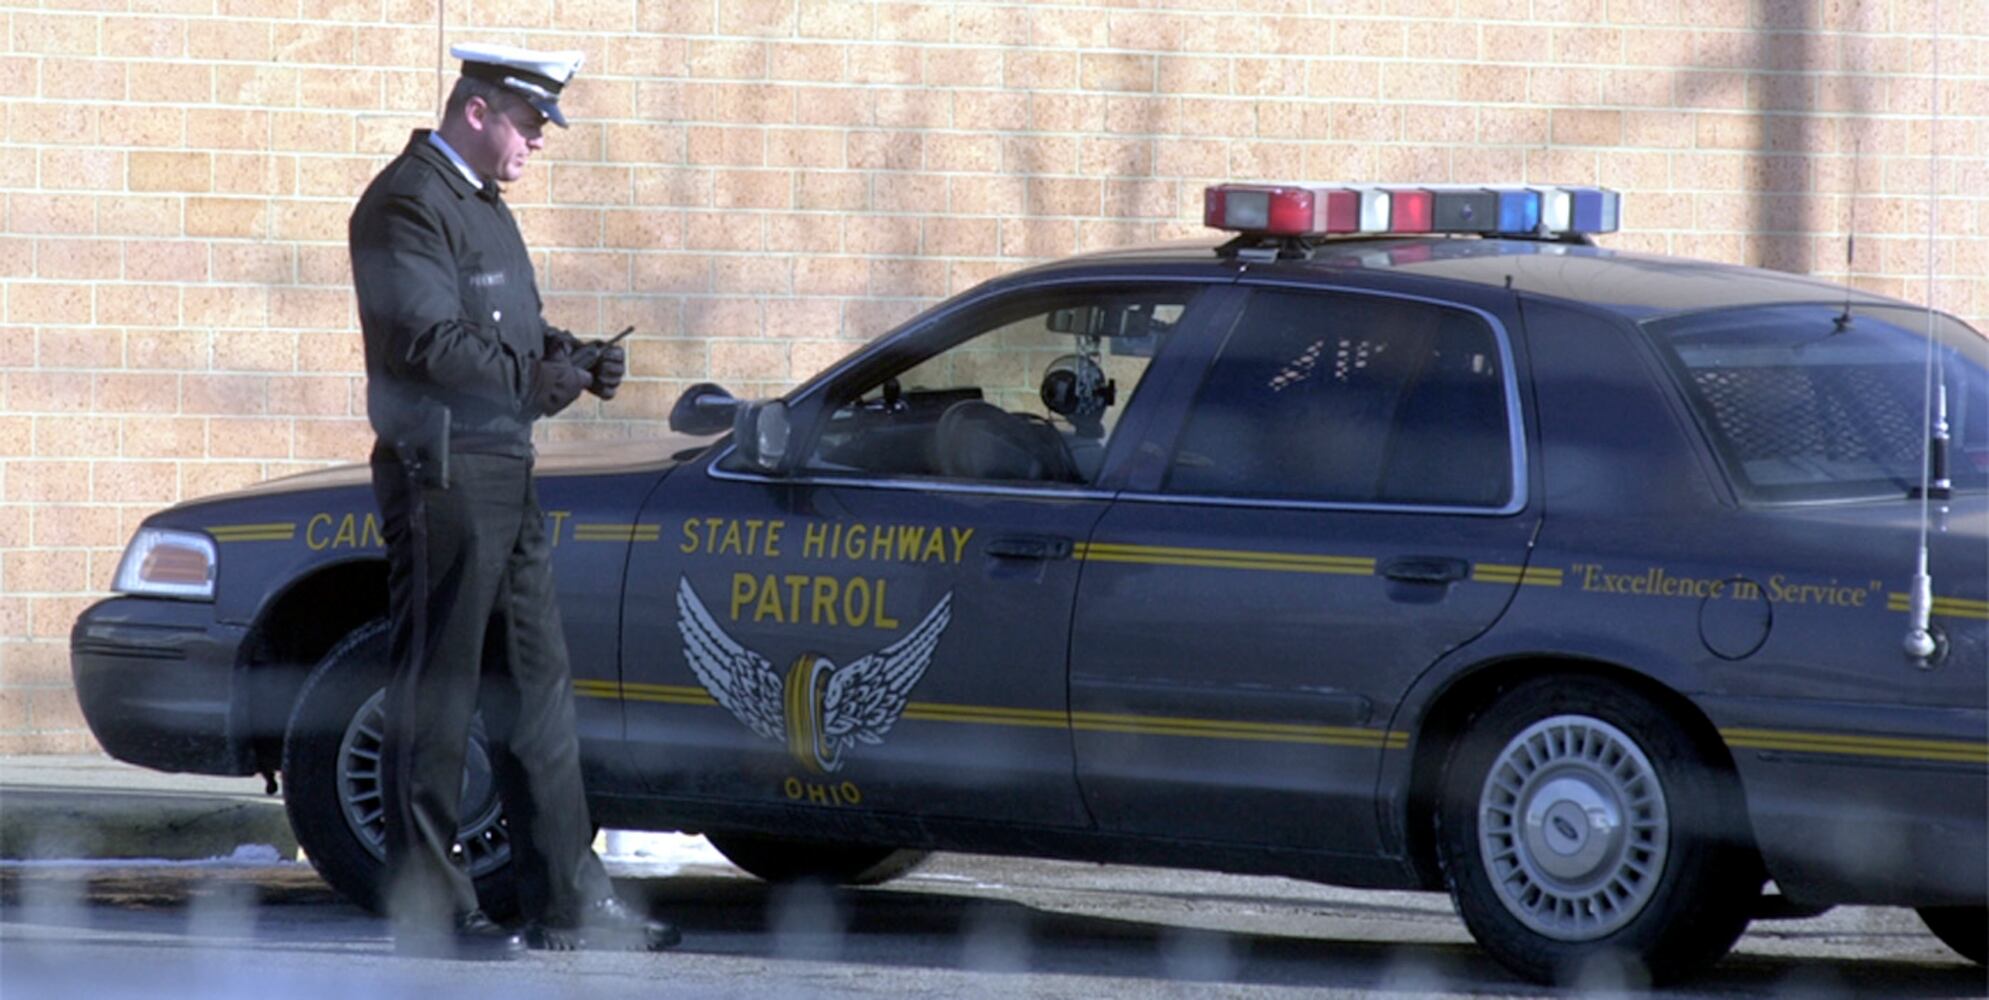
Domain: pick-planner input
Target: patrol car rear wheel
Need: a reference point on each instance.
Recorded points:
(1587, 839)
(1963, 928)
(332, 781)
(778, 860)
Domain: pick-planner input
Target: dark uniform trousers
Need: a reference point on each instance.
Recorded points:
(476, 626)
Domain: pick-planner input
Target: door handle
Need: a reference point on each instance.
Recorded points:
(1030, 547)
(1425, 569)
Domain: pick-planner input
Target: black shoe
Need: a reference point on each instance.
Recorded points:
(474, 938)
(606, 925)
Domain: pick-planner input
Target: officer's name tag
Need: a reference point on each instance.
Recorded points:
(487, 279)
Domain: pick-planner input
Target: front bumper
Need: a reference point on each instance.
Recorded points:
(156, 680)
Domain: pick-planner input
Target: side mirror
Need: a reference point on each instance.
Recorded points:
(761, 431)
(705, 408)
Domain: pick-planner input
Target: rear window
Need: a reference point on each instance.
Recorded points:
(1813, 402)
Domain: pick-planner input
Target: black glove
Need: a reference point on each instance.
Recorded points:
(608, 371)
(556, 383)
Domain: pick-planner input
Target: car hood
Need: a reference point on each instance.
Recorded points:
(566, 458)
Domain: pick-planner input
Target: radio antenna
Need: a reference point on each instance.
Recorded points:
(1920, 644)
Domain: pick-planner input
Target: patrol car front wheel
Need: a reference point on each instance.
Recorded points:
(778, 860)
(1587, 839)
(332, 781)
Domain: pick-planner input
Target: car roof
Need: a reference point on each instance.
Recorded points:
(1636, 285)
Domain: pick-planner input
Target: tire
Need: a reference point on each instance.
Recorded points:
(331, 781)
(1587, 839)
(1963, 928)
(781, 861)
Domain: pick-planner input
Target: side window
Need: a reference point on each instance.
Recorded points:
(1028, 390)
(1353, 399)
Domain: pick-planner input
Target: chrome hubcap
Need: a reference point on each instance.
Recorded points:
(483, 844)
(1572, 828)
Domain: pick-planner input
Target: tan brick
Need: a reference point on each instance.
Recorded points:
(1344, 79)
(145, 37)
(1006, 25)
(1574, 127)
(320, 220)
(1037, 238)
(922, 109)
(225, 306)
(218, 128)
(1270, 77)
(986, 195)
(723, 231)
(48, 302)
(906, 277)
(64, 259)
(232, 40)
(1199, 75)
(805, 148)
(54, 708)
(985, 111)
(798, 318)
(640, 143)
(143, 126)
(807, 233)
(227, 217)
(47, 392)
(327, 44)
(1085, 112)
(348, 440)
(55, 34)
(309, 309)
(166, 438)
(644, 230)
(75, 437)
(260, 86)
(93, 347)
(1189, 158)
(915, 194)
(13, 703)
(52, 213)
(127, 481)
(82, 169)
(62, 124)
(17, 260)
(1146, 199)
(740, 359)
(885, 234)
(315, 132)
(172, 171)
(84, 80)
(1070, 29)
(43, 572)
(866, 319)
(886, 150)
(752, 275)
(829, 276)
(1038, 69)
(818, 190)
(756, 17)
(342, 351)
(163, 82)
(138, 305)
(223, 394)
(753, 189)
(1221, 116)
(885, 64)
(396, 47)
(157, 350)
(653, 357)
(948, 67)
(15, 533)
(316, 265)
(47, 482)
(311, 396)
(749, 104)
(248, 438)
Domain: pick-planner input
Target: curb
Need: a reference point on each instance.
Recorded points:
(41, 824)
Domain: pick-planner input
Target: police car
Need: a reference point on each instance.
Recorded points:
(1402, 538)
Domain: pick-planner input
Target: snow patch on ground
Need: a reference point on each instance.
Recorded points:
(653, 851)
(244, 856)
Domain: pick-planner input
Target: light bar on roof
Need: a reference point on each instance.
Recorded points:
(1297, 210)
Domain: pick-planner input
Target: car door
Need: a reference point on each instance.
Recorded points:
(1345, 500)
(887, 628)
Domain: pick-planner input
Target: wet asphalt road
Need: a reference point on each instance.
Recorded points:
(962, 926)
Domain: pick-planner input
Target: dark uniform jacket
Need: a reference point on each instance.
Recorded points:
(448, 305)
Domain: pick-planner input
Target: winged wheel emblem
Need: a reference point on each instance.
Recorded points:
(819, 709)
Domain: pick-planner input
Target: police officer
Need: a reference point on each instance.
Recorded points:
(459, 363)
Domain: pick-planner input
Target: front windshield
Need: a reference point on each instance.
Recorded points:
(1813, 402)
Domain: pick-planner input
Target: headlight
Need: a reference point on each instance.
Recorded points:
(161, 562)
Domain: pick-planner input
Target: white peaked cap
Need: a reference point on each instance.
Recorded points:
(536, 76)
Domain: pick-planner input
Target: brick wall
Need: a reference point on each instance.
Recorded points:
(758, 185)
